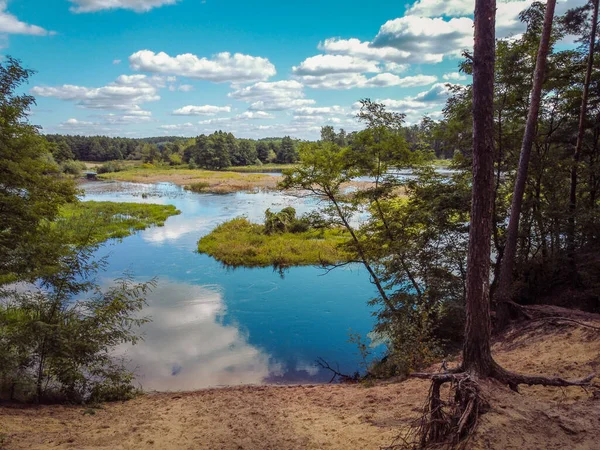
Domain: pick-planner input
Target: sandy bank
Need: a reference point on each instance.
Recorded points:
(336, 416)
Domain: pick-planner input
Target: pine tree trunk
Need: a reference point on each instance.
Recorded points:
(577, 152)
(503, 294)
(477, 356)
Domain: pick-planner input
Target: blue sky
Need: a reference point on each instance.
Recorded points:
(269, 68)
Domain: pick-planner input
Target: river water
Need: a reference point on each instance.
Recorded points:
(214, 326)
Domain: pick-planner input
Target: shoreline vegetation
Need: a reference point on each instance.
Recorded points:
(240, 243)
(102, 221)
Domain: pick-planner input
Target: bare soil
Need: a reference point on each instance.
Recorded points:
(338, 416)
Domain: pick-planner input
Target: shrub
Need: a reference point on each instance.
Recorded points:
(111, 166)
(197, 187)
(72, 167)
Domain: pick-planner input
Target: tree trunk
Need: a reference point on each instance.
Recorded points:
(503, 294)
(477, 355)
(577, 152)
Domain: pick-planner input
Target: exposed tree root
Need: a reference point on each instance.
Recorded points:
(449, 424)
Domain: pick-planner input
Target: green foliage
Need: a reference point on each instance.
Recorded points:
(31, 188)
(71, 167)
(56, 341)
(240, 243)
(110, 166)
(279, 222)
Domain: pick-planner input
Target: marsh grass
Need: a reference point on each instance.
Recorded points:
(101, 221)
(219, 182)
(240, 243)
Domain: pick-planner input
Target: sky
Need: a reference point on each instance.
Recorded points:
(139, 68)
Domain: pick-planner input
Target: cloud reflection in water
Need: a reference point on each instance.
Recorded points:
(186, 346)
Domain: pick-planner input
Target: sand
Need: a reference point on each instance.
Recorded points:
(336, 416)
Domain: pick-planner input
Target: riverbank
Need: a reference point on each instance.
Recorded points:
(336, 416)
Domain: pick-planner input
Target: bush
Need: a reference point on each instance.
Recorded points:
(71, 167)
(111, 166)
(57, 342)
(175, 159)
(197, 187)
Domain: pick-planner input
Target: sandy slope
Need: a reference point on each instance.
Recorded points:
(336, 416)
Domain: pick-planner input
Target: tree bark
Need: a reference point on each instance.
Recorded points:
(503, 293)
(477, 355)
(577, 152)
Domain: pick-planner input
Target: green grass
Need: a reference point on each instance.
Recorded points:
(100, 221)
(240, 243)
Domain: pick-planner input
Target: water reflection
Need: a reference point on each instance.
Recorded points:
(214, 326)
(187, 345)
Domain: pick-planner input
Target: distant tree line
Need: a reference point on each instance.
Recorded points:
(215, 151)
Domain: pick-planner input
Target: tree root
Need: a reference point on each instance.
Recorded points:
(449, 424)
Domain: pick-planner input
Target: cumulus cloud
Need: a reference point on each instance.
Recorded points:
(222, 67)
(454, 76)
(326, 64)
(204, 110)
(11, 25)
(86, 6)
(354, 80)
(355, 47)
(272, 96)
(437, 8)
(185, 87)
(126, 93)
(253, 115)
(318, 110)
(431, 99)
(428, 39)
(177, 127)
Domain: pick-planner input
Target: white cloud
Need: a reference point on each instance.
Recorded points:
(437, 8)
(204, 110)
(426, 39)
(354, 80)
(454, 76)
(354, 47)
(318, 110)
(177, 127)
(11, 25)
(85, 6)
(252, 115)
(126, 93)
(396, 68)
(326, 64)
(222, 67)
(435, 97)
(116, 61)
(185, 87)
(272, 96)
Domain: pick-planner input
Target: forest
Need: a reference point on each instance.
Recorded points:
(508, 237)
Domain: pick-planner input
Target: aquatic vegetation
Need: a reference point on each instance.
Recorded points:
(242, 243)
(100, 221)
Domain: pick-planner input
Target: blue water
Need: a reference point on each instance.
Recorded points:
(216, 326)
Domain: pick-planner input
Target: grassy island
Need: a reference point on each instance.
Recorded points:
(219, 182)
(240, 243)
(100, 221)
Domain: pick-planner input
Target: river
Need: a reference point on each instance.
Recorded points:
(214, 326)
